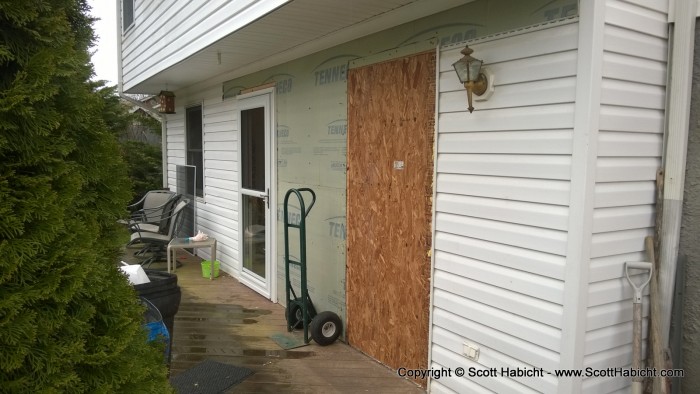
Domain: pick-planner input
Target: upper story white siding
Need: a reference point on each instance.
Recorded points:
(165, 33)
(174, 45)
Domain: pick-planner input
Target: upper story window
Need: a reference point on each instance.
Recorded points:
(127, 14)
(195, 157)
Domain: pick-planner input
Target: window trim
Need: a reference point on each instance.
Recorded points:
(125, 27)
(199, 173)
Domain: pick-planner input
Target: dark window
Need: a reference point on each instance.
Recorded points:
(195, 156)
(127, 14)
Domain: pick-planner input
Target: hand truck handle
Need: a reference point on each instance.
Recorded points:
(313, 199)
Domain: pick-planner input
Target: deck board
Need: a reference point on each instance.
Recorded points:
(225, 321)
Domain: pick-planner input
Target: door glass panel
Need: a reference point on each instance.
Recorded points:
(254, 234)
(253, 149)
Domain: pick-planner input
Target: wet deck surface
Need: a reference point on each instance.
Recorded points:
(225, 321)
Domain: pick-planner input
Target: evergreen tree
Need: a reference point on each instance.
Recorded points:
(143, 160)
(69, 321)
(144, 163)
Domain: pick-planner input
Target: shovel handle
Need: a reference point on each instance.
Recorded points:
(637, 299)
(639, 265)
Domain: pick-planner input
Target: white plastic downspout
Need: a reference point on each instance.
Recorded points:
(120, 83)
(678, 113)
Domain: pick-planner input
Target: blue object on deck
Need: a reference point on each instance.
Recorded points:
(156, 329)
(154, 325)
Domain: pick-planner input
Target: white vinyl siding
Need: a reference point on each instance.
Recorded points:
(217, 213)
(165, 32)
(503, 182)
(175, 125)
(630, 142)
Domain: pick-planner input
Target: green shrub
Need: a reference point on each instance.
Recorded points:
(69, 322)
(144, 165)
(143, 160)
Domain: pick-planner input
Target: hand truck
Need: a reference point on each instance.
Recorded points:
(324, 327)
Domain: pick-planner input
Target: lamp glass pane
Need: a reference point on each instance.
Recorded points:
(474, 68)
(462, 70)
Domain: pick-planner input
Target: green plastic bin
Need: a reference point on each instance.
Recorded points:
(206, 268)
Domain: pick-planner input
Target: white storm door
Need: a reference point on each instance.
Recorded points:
(255, 177)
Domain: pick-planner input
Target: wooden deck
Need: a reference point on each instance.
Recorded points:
(225, 321)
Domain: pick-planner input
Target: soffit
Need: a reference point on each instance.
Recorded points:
(298, 28)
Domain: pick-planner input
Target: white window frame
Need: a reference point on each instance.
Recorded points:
(199, 172)
(125, 26)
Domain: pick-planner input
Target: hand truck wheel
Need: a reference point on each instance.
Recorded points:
(325, 328)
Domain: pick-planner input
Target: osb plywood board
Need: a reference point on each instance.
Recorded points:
(391, 117)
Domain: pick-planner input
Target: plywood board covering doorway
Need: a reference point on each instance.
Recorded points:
(391, 118)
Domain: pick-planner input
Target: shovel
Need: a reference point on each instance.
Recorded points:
(637, 321)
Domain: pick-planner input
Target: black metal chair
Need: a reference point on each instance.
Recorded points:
(165, 212)
(156, 242)
(149, 208)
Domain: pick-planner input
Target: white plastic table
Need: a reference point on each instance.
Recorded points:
(185, 243)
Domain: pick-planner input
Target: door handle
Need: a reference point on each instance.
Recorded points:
(266, 197)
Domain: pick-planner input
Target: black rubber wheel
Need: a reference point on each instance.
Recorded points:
(325, 328)
(295, 317)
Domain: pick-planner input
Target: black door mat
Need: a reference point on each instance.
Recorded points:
(209, 377)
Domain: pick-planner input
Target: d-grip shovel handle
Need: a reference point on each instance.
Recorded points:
(638, 289)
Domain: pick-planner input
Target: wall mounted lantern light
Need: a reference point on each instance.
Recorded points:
(469, 72)
(167, 102)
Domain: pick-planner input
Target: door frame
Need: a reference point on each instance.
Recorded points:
(266, 98)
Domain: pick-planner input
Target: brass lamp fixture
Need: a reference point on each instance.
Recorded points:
(468, 71)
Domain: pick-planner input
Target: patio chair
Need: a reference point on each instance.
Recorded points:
(157, 242)
(149, 208)
(161, 225)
